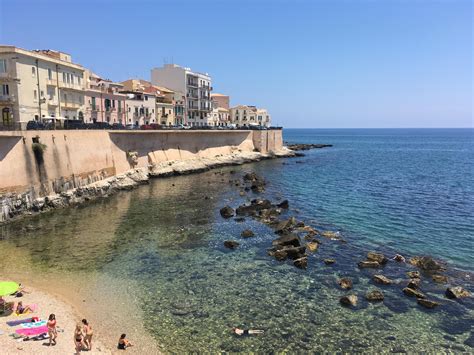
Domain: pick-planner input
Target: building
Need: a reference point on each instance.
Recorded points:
(37, 84)
(196, 87)
(104, 102)
(140, 103)
(165, 107)
(220, 117)
(220, 100)
(247, 116)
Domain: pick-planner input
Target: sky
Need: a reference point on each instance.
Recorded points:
(321, 64)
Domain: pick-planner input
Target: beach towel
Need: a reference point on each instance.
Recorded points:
(32, 331)
(33, 324)
(14, 323)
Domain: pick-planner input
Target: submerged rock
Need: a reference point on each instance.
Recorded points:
(349, 300)
(427, 303)
(330, 235)
(231, 244)
(247, 233)
(285, 226)
(301, 263)
(413, 293)
(399, 258)
(280, 255)
(284, 204)
(374, 295)
(345, 283)
(381, 279)
(329, 261)
(289, 239)
(457, 292)
(442, 279)
(414, 283)
(413, 274)
(254, 207)
(378, 257)
(227, 212)
(312, 246)
(294, 252)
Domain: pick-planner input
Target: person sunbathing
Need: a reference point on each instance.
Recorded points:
(20, 309)
(123, 343)
(241, 332)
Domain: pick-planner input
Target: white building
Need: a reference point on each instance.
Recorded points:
(37, 84)
(196, 86)
(140, 104)
(247, 116)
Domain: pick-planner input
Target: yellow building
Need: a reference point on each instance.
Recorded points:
(39, 84)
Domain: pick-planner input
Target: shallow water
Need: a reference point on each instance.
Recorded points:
(393, 191)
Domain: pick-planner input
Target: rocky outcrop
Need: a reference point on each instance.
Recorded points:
(285, 240)
(368, 264)
(349, 300)
(381, 279)
(227, 212)
(254, 207)
(374, 296)
(413, 293)
(345, 283)
(426, 263)
(457, 292)
(301, 263)
(427, 303)
(378, 257)
(304, 146)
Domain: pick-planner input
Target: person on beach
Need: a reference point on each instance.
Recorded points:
(52, 331)
(21, 291)
(78, 339)
(241, 332)
(123, 343)
(20, 309)
(87, 329)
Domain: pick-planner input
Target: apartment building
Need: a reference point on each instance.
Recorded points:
(37, 84)
(247, 116)
(220, 117)
(104, 102)
(140, 104)
(196, 86)
(165, 108)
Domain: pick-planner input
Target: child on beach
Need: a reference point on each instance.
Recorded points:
(52, 331)
(123, 343)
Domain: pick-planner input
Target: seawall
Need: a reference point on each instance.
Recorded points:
(40, 170)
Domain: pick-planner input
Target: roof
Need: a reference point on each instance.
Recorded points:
(217, 94)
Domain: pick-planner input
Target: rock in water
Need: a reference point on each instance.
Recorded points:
(399, 258)
(329, 261)
(414, 284)
(427, 303)
(312, 246)
(378, 257)
(301, 263)
(280, 255)
(374, 295)
(295, 252)
(382, 279)
(345, 283)
(284, 204)
(457, 292)
(368, 264)
(227, 212)
(426, 263)
(247, 234)
(349, 300)
(411, 292)
(439, 278)
(289, 239)
(413, 274)
(285, 226)
(231, 244)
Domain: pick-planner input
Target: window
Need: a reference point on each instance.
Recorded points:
(64, 77)
(5, 90)
(50, 74)
(78, 80)
(33, 71)
(68, 78)
(35, 94)
(146, 98)
(72, 79)
(41, 93)
(3, 65)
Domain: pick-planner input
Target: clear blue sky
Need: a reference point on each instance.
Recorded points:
(311, 63)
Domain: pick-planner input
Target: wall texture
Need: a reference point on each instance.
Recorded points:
(71, 159)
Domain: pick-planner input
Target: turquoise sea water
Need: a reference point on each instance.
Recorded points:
(394, 191)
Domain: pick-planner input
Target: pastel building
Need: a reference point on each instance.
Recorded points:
(165, 109)
(39, 84)
(196, 86)
(248, 116)
(140, 102)
(104, 102)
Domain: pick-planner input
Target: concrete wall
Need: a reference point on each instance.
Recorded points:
(77, 158)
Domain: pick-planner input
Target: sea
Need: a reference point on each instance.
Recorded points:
(394, 191)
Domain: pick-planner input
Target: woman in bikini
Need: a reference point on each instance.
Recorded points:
(87, 334)
(52, 331)
(123, 343)
(78, 339)
(20, 309)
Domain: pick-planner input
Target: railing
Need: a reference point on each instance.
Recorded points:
(7, 98)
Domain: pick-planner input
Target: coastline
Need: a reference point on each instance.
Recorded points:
(15, 207)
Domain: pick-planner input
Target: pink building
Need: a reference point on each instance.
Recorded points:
(103, 101)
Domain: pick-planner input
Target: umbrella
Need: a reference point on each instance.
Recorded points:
(8, 287)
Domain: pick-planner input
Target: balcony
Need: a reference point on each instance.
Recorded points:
(51, 82)
(69, 86)
(7, 98)
(109, 109)
(8, 77)
(193, 84)
(52, 102)
(72, 105)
